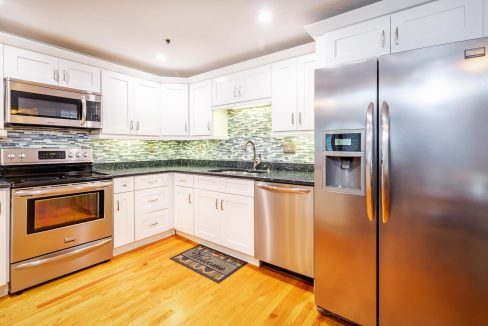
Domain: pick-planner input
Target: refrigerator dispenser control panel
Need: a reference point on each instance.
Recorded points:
(349, 142)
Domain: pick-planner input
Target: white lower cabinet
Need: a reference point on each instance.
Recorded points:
(150, 224)
(183, 209)
(123, 218)
(4, 239)
(207, 215)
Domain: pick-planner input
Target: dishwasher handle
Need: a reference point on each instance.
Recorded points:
(289, 190)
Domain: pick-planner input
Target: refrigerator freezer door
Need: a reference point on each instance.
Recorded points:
(433, 256)
(345, 237)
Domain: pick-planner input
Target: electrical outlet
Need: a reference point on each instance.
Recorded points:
(289, 148)
(150, 147)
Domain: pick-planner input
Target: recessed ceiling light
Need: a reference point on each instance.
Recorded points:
(161, 57)
(265, 16)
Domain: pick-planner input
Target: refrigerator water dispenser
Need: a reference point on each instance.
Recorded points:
(343, 161)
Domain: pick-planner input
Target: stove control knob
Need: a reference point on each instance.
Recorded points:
(21, 155)
(11, 156)
(85, 154)
(70, 154)
(78, 154)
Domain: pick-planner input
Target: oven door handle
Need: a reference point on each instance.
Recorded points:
(63, 256)
(70, 189)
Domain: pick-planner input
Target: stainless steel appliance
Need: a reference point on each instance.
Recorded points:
(283, 226)
(32, 103)
(61, 214)
(401, 187)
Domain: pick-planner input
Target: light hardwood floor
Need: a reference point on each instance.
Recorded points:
(144, 287)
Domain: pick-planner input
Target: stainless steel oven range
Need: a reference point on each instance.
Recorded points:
(61, 213)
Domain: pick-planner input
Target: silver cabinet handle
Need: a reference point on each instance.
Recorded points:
(64, 75)
(131, 125)
(118, 206)
(154, 224)
(63, 256)
(369, 162)
(293, 119)
(189, 199)
(383, 39)
(293, 190)
(153, 200)
(397, 36)
(83, 110)
(222, 205)
(186, 127)
(137, 125)
(300, 118)
(209, 126)
(216, 204)
(54, 74)
(235, 90)
(385, 162)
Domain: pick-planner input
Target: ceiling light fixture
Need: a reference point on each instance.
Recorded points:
(161, 57)
(265, 16)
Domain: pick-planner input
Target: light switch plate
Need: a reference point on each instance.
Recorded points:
(289, 148)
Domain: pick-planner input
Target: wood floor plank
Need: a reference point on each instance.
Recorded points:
(145, 287)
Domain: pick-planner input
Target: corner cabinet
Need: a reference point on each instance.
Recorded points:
(201, 109)
(174, 110)
(36, 67)
(292, 94)
(435, 23)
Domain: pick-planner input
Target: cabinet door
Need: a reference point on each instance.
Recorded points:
(147, 109)
(31, 66)
(225, 90)
(175, 110)
(123, 218)
(306, 91)
(284, 95)
(80, 76)
(4, 238)
(207, 215)
(436, 23)
(364, 40)
(183, 209)
(201, 109)
(117, 103)
(237, 223)
(254, 84)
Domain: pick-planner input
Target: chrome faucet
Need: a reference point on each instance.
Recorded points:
(255, 161)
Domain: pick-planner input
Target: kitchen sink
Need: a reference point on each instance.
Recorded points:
(239, 171)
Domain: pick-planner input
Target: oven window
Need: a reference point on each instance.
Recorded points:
(53, 212)
(38, 105)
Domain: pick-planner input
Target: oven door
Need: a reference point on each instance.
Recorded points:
(38, 104)
(47, 219)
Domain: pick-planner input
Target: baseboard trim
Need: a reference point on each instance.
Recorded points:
(251, 260)
(143, 242)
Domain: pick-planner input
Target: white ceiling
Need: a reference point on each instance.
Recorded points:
(205, 34)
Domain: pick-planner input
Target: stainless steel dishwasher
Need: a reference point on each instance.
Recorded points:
(283, 226)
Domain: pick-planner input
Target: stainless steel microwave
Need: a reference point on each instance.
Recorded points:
(30, 103)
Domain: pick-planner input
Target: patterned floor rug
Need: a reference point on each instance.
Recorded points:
(210, 263)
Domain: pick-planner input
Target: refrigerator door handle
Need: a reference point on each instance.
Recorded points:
(369, 162)
(385, 162)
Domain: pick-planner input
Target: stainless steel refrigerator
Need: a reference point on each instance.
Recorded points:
(401, 187)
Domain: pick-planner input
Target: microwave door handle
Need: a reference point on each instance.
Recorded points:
(83, 110)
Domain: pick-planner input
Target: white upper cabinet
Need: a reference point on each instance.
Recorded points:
(117, 103)
(80, 76)
(31, 66)
(293, 94)
(284, 95)
(248, 85)
(364, 40)
(201, 109)
(306, 91)
(435, 23)
(175, 110)
(36, 67)
(147, 108)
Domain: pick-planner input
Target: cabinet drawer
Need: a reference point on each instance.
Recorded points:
(150, 224)
(151, 181)
(123, 184)
(151, 200)
(225, 185)
(184, 180)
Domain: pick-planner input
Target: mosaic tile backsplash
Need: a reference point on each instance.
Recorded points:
(244, 124)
